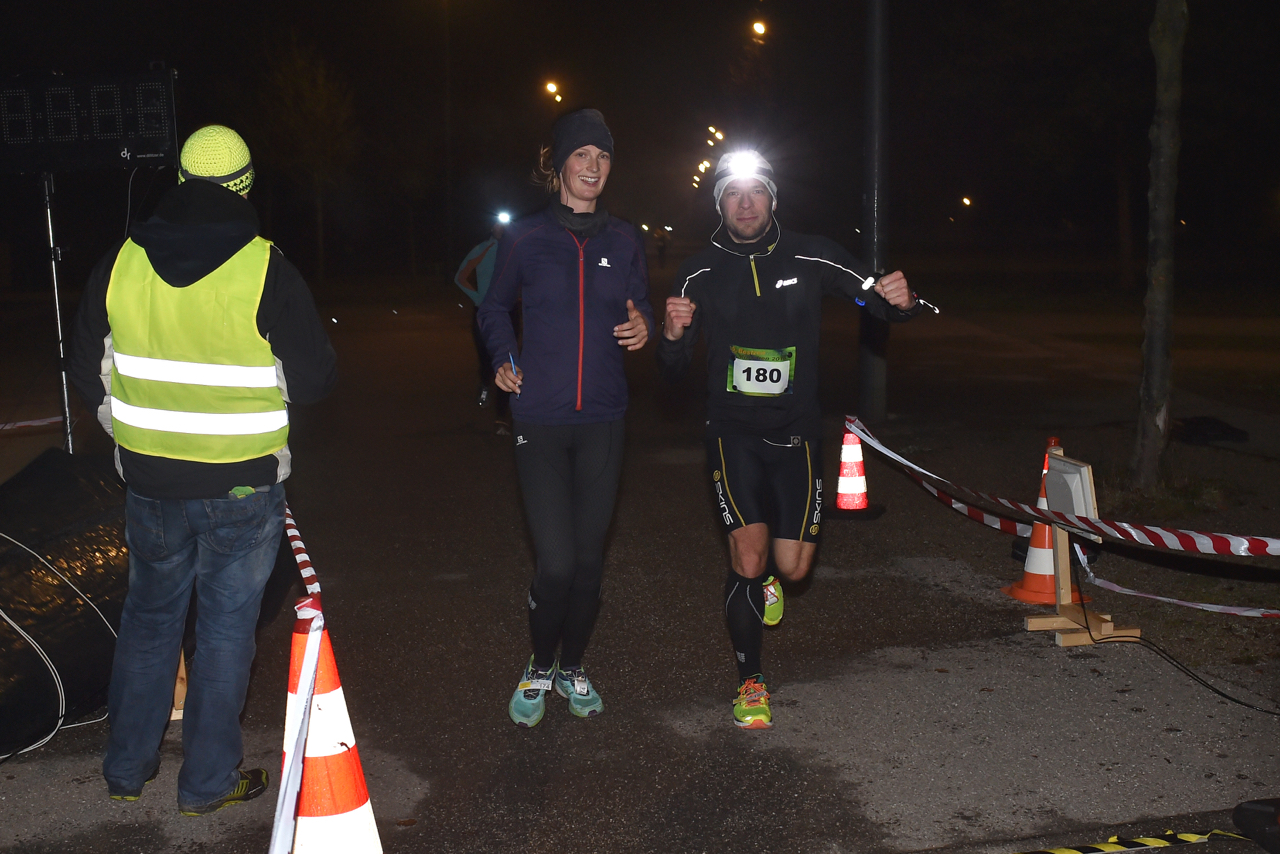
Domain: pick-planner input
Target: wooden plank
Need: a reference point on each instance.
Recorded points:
(1054, 622)
(1080, 637)
(1100, 624)
(179, 689)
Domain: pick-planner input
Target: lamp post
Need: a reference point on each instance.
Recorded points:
(873, 333)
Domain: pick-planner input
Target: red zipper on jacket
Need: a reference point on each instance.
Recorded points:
(581, 310)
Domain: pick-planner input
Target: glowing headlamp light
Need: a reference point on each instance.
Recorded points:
(504, 217)
(744, 164)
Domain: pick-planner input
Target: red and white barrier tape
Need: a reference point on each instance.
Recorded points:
(1234, 610)
(1144, 535)
(1018, 529)
(297, 724)
(300, 553)
(39, 422)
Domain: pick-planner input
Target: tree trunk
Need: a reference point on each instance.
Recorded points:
(1168, 33)
(873, 333)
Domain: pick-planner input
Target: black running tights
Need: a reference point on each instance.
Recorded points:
(569, 482)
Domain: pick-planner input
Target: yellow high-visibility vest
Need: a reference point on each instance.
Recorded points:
(192, 378)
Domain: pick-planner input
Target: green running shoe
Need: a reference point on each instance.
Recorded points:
(528, 702)
(751, 708)
(117, 795)
(252, 783)
(772, 601)
(573, 684)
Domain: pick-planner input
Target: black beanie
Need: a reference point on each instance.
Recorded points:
(585, 127)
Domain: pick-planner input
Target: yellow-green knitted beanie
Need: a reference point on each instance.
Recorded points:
(218, 154)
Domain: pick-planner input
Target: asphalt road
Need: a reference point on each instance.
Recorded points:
(912, 711)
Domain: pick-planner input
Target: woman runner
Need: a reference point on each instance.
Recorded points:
(584, 283)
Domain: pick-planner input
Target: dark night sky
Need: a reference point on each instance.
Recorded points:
(1031, 108)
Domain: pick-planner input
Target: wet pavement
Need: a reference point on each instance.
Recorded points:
(912, 711)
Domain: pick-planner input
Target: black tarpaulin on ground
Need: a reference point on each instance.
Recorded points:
(69, 510)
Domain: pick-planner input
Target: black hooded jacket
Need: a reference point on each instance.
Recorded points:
(197, 226)
(765, 297)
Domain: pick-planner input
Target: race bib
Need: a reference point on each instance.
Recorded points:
(761, 373)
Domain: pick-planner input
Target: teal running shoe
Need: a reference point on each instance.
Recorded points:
(529, 701)
(772, 601)
(573, 683)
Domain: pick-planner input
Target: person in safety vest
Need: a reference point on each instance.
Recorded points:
(756, 294)
(192, 339)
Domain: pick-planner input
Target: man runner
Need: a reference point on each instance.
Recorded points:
(756, 292)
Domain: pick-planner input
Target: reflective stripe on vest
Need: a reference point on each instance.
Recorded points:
(192, 377)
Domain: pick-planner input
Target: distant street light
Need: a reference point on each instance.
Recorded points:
(554, 90)
(710, 129)
(966, 202)
(758, 26)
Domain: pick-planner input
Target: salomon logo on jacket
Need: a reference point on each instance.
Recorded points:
(192, 378)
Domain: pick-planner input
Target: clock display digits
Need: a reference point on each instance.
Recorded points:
(106, 115)
(16, 122)
(60, 113)
(153, 118)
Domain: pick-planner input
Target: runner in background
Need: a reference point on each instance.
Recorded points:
(473, 276)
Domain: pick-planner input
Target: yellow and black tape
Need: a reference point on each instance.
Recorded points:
(1139, 843)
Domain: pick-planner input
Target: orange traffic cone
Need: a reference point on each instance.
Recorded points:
(851, 488)
(1038, 585)
(334, 813)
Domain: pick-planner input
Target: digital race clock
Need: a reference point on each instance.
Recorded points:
(51, 123)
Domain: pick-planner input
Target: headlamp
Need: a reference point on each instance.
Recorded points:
(743, 164)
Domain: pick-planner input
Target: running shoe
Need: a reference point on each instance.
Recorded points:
(572, 683)
(251, 784)
(529, 701)
(119, 795)
(772, 601)
(751, 708)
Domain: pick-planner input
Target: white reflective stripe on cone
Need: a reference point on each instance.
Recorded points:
(353, 832)
(199, 423)
(851, 484)
(195, 373)
(330, 731)
(850, 453)
(1039, 561)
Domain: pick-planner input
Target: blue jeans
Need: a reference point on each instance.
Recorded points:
(226, 548)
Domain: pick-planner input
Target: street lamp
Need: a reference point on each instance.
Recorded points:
(553, 89)
(758, 26)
